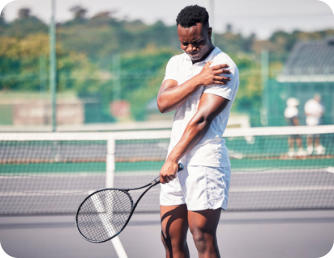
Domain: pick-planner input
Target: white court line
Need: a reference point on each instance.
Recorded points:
(109, 227)
(279, 189)
(282, 171)
(232, 190)
(51, 175)
(69, 174)
(43, 193)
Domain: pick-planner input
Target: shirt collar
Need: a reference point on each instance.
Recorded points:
(208, 58)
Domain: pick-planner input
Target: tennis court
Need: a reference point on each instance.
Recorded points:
(280, 205)
(293, 234)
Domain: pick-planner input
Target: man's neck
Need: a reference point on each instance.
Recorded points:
(206, 55)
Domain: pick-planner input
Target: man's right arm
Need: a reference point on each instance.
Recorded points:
(171, 94)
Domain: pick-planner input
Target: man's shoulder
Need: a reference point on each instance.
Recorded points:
(177, 58)
(221, 57)
(310, 102)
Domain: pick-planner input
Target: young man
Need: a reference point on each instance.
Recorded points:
(200, 85)
(291, 115)
(314, 111)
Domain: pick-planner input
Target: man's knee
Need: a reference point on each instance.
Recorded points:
(204, 240)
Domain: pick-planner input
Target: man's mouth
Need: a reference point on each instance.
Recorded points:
(194, 55)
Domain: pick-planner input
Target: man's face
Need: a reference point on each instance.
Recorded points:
(195, 41)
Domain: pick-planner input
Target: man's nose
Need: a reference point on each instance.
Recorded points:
(190, 48)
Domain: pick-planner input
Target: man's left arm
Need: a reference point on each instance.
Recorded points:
(209, 106)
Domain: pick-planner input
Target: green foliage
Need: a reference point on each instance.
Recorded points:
(104, 58)
(144, 75)
(103, 36)
(235, 43)
(21, 57)
(28, 57)
(23, 26)
(249, 98)
(141, 76)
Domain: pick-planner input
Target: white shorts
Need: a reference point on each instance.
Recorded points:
(199, 187)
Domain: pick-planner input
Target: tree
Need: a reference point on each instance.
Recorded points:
(24, 65)
(136, 80)
(249, 97)
(86, 47)
(143, 76)
(3, 25)
(79, 13)
(24, 13)
(229, 28)
(25, 24)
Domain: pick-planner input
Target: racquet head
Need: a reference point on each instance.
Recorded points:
(104, 214)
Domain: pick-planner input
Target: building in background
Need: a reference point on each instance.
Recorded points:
(34, 109)
(309, 70)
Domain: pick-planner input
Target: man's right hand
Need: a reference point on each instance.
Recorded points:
(213, 74)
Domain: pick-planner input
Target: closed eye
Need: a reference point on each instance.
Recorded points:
(194, 43)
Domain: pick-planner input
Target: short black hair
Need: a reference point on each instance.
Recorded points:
(192, 14)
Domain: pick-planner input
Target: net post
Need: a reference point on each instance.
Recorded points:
(110, 174)
(110, 162)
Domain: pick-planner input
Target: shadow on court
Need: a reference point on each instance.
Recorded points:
(293, 234)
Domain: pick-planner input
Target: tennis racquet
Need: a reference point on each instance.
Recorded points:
(105, 213)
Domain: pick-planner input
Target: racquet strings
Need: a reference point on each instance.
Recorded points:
(104, 214)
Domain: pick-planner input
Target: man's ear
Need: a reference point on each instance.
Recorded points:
(209, 32)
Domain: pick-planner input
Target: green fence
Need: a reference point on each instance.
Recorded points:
(278, 92)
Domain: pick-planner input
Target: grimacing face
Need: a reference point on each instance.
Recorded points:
(195, 41)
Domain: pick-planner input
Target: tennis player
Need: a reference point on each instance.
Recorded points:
(291, 115)
(200, 86)
(314, 111)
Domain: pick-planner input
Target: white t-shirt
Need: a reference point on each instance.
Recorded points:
(291, 112)
(210, 150)
(313, 110)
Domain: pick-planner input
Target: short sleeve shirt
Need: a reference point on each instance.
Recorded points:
(291, 112)
(210, 150)
(314, 111)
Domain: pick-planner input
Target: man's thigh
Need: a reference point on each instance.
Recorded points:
(204, 220)
(174, 221)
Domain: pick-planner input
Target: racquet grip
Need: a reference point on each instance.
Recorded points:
(157, 180)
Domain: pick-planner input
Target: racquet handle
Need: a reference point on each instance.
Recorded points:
(157, 179)
(180, 167)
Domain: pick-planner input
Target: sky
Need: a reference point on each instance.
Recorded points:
(246, 16)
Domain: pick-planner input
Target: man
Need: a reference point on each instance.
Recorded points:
(200, 85)
(291, 115)
(314, 111)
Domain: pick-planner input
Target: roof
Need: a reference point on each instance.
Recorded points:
(310, 61)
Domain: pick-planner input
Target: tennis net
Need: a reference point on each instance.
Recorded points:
(51, 173)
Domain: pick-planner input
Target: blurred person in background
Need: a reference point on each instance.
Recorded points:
(314, 111)
(291, 115)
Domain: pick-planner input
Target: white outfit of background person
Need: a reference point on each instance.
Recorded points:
(291, 115)
(314, 111)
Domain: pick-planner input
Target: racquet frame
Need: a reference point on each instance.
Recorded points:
(134, 205)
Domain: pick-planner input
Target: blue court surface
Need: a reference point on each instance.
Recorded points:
(270, 234)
